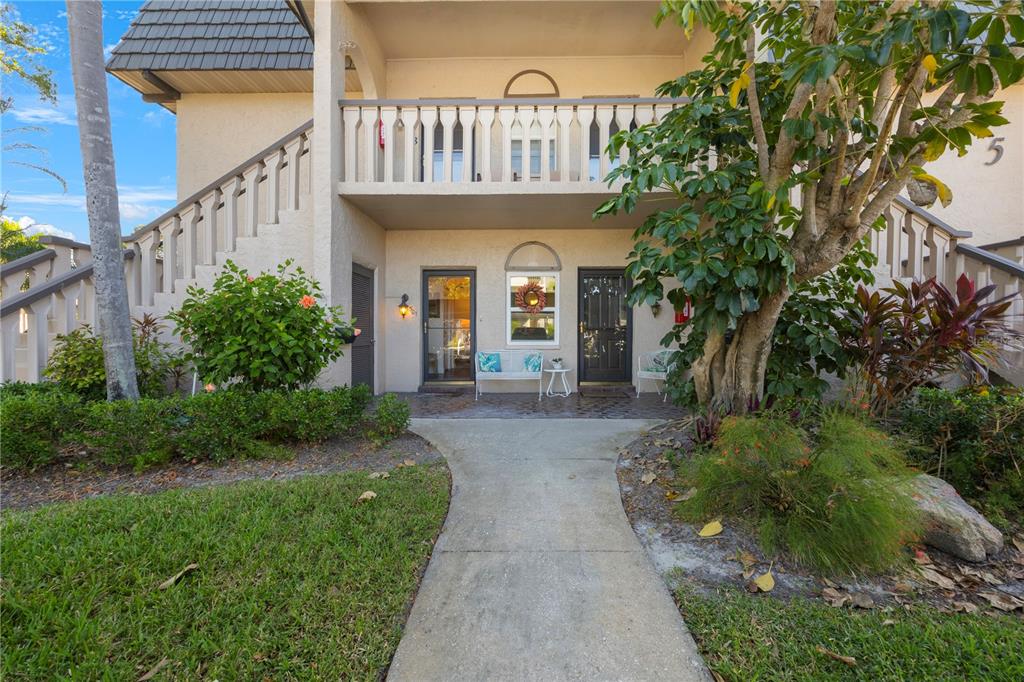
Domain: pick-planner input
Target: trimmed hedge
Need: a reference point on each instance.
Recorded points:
(38, 421)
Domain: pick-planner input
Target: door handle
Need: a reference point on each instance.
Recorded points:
(581, 327)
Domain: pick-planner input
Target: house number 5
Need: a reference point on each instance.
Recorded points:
(994, 146)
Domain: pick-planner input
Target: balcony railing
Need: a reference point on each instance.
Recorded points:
(552, 141)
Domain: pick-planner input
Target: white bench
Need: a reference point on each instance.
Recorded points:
(512, 368)
(654, 366)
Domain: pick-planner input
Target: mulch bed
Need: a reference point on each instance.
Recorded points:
(733, 557)
(74, 480)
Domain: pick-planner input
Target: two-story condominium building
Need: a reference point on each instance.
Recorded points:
(435, 165)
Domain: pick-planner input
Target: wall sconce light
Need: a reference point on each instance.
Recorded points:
(404, 309)
(655, 309)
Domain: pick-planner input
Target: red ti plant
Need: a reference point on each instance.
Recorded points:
(908, 336)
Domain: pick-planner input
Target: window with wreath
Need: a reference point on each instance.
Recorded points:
(533, 308)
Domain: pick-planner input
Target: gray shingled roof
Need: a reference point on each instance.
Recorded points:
(218, 35)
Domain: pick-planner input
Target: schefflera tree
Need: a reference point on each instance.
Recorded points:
(805, 122)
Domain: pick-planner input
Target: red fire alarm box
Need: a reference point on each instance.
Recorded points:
(683, 316)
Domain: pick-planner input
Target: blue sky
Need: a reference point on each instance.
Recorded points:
(144, 136)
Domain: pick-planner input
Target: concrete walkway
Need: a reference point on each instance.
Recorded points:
(537, 574)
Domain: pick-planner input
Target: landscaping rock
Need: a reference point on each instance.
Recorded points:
(950, 524)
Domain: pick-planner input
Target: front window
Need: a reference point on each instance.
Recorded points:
(532, 309)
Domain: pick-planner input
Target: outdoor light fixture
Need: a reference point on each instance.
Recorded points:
(404, 309)
(655, 309)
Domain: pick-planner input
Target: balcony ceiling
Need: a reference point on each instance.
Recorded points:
(509, 28)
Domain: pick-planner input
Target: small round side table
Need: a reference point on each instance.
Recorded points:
(566, 391)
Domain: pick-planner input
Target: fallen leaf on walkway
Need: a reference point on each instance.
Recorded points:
(933, 576)
(746, 558)
(1003, 602)
(766, 582)
(177, 576)
(834, 597)
(848, 660)
(863, 601)
(965, 606)
(648, 477)
(155, 669)
(366, 497)
(380, 474)
(671, 495)
(710, 529)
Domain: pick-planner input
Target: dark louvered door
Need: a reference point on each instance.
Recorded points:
(362, 310)
(605, 326)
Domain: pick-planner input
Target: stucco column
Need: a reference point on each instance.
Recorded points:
(332, 255)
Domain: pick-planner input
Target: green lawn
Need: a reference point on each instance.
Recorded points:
(295, 581)
(745, 638)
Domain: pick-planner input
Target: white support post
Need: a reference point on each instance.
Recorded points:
(545, 117)
(252, 199)
(486, 117)
(467, 118)
(428, 116)
(169, 236)
(526, 115)
(563, 114)
(585, 114)
(189, 243)
(388, 116)
(209, 204)
(293, 155)
(507, 117)
(410, 118)
(147, 269)
(350, 118)
(272, 164)
(229, 192)
(38, 338)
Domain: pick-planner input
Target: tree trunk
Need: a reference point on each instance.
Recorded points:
(85, 27)
(729, 376)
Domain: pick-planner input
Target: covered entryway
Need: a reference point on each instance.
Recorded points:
(605, 326)
(362, 310)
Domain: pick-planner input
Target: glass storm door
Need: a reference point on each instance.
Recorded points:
(449, 307)
(605, 326)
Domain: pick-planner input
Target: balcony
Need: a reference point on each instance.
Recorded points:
(504, 163)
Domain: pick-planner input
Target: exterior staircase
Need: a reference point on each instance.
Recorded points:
(259, 214)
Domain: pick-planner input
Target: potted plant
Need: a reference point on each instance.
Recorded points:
(556, 363)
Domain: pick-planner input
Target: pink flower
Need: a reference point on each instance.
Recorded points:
(307, 301)
(250, 278)
(210, 388)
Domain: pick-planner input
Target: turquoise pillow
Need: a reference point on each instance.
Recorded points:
(489, 362)
(533, 362)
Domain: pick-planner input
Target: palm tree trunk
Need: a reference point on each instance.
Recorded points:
(85, 25)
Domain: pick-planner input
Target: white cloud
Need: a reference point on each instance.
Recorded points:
(136, 202)
(31, 227)
(108, 50)
(156, 117)
(43, 115)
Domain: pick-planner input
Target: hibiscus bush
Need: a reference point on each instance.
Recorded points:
(261, 331)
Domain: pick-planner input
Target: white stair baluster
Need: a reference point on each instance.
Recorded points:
(585, 114)
(467, 118)
(229, 195)
(486, 116)
(410, 117)
(388, 116)
(507, 117)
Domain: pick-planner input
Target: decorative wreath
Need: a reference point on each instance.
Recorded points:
(531, 298)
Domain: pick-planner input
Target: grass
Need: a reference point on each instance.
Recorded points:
(295, 581)
(748, 638)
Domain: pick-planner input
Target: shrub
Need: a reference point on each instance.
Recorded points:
(135, 432)
(313, 415)
(834, 504)
(908, 336)
(261, 332)
(33, 422)
(390, 419)
(76, 363)
(223, 425)
(972, 438)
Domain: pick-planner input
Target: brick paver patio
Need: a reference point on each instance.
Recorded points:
(525, 405)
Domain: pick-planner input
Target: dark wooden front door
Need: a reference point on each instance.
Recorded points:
(362, 310)
(605, 325)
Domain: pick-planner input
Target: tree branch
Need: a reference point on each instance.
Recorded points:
(756, 120)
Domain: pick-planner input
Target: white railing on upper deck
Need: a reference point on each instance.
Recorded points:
(487, 141)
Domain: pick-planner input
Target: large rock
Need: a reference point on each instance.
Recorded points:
(950, 524)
